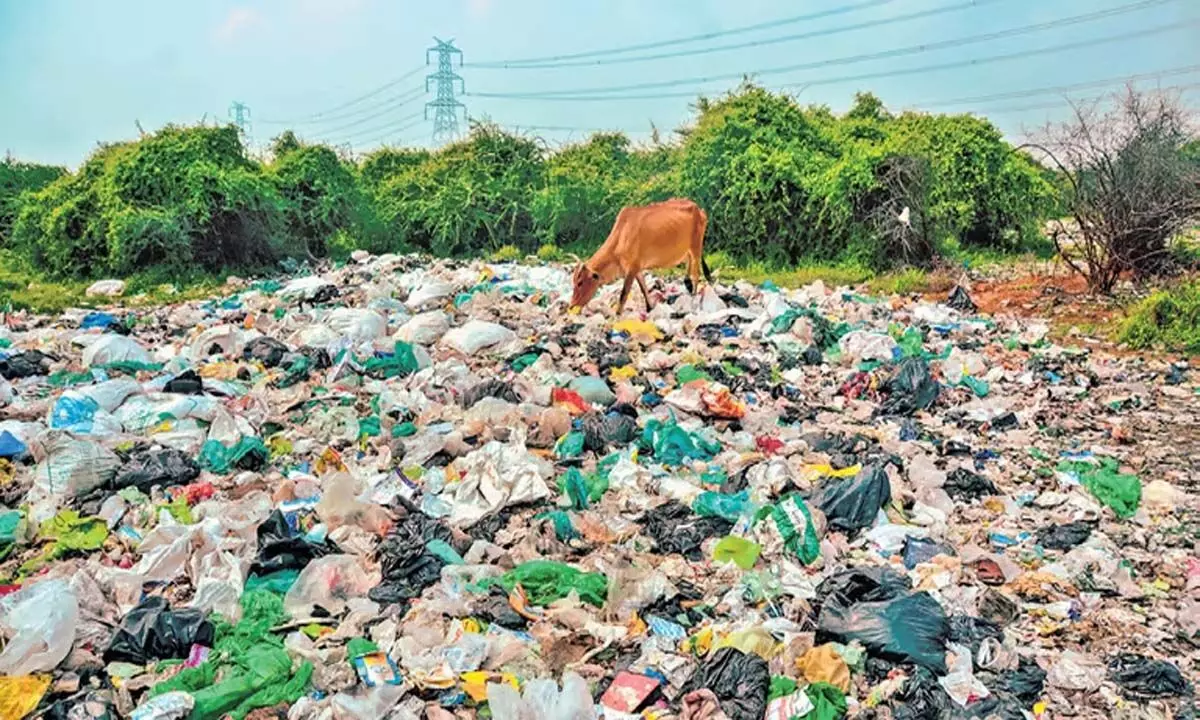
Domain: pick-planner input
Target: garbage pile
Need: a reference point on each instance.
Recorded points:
(422, 489)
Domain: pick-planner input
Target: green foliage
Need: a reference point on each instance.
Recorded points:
(507, 253)
(550, 253)
(322, 196)
(181, 197)
(784, 186)
(16, 178)
(1168, 318)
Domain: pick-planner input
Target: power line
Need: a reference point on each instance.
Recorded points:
(390, 126)
(759, 43)
(1184, 70)
(356, 113)
(871, 75)
(1058, 102)
(851, 59)
(412, 97)
(322, 115)
(680, 41)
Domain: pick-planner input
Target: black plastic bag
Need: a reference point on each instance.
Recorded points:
(150, 466)
(1141, 677)
(972, 631)
(1025, 683)
(185, 383)
(961, 301)
(153, 631)
(495, 608)
(741, 681)
(852, 505)
(922, 698)
(281, 549)
(998, 607)
(608, 355)
(919, 550)
(962, 484)
(600, 431)
(912, 388)
(1064, 537)
(25, 364)
(266, 350)
(910, 628)
(676, 529)
(865, 584)
(490, 388)
(407, 566)
(318, 357)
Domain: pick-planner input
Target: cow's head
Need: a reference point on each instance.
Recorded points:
(586, 283)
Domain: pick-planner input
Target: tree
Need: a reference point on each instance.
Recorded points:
(1131, 185)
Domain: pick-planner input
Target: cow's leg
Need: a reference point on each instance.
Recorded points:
(625, 293)
(641, 281)
(693, 271)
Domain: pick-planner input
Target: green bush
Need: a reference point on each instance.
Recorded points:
(784, 186)
(550, 252)
(181, 197)
(322, 196)
(16, 178)
(507, 253)
(1168, 318)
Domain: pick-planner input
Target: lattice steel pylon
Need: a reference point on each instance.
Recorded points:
(445, 105)
(239, 113)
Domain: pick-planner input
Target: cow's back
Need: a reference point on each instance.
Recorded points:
(658, 235)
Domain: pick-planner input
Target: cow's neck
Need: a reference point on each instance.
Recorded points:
(605, 264)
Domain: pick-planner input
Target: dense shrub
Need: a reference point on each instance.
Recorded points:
(783, 184)
(322, 196)
(1168, 318)
(184, 196)
(16, 178)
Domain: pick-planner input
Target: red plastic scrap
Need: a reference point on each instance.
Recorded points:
(768, 444)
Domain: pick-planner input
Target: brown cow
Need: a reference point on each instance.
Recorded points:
(648, 237)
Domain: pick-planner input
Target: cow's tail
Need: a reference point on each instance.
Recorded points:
(701, 228)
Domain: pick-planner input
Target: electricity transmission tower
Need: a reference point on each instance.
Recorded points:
(239, 112)
(446, 105)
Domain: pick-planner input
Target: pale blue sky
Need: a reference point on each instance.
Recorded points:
(74, 72)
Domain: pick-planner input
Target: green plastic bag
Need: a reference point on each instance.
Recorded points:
(581, 489)
(795, 525)
(564, 530)
(404, 429)
(738, 550)
(672, 445)
(400, 363)
(545, 581)
(219, 459)
(781, 686)
(297, 372)
(722, 505)
(369, 427)
(70, 532)
(278, 582)
(569, 445)
(254, 668)
(690, 373)
(1122, 493)
(442, 550)
(829, 703)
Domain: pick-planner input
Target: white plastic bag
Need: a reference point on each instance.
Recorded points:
(496, 476)
(304, 288)
(327, 582)
(228, 339)
(429, 293)
(357, 325)
(477, 335)
(67, 466)
(109, 288)
(424, 329)
(111, 348)
(39, 621)
(542, 700)
(861, 345)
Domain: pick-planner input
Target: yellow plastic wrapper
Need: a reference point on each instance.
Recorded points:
(755, 640)
(474, 684)
(824, 664)
(21, 694)
(639, 329)
(817, 471)
(624, 372)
